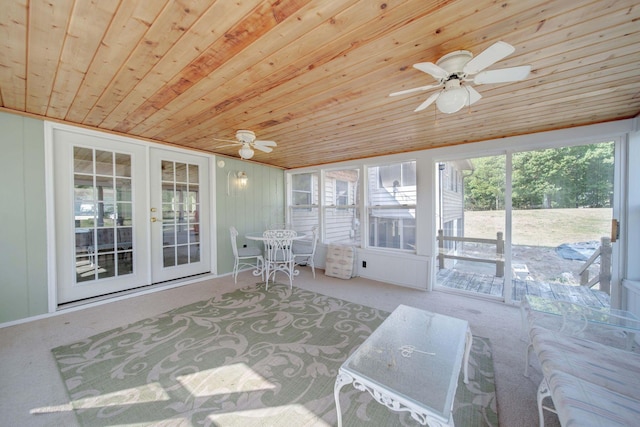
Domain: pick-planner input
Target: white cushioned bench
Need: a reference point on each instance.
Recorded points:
(591, 384)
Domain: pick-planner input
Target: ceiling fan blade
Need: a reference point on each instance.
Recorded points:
(415, 89)
(488, 57)
(431, 68)
(428, 102)
(265, 143)
(263, 148)
(224, 146)
(503, 75)
(226, 140)
(474, 96)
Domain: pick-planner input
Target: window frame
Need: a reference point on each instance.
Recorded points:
(397, 225)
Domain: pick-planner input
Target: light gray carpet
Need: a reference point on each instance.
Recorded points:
(248, 357)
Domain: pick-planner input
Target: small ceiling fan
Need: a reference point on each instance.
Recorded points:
(247, 140)
(454, 71)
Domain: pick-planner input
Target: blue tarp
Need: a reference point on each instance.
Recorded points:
(580, 251)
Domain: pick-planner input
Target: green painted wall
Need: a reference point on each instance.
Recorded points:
(250, 210)
(23, 251)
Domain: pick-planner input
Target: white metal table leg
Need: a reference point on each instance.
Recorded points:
(342, 380)
(467, 350)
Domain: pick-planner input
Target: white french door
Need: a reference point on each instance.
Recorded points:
(126, 215)
(179, 215)
(99, 226)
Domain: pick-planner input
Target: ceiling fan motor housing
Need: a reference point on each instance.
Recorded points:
(454, 62)
(245, 136)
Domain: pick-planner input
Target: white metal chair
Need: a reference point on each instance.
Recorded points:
(243, 256)
(303, 253)
(278, 247)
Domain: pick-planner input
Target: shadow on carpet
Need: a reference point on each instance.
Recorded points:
(249, 357)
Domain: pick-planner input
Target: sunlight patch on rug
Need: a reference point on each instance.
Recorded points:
(236, 378)
(248, 357)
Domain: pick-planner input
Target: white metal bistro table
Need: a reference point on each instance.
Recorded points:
(258, 236)
(411, 362)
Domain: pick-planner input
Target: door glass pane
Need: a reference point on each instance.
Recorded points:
(83, 160)
(471, 224)
(167, 171)
(195, 253)
(169, 256)
(182, 254)
(103, 227)
(562, 209)
(85, 270)
(84, 201)
(181, 172)
(107, 266)
(193, 174)
(193, 194)
(124, 214)
(104, 163)
(168, 235)
(123, 186)
(125, 262)
(180, 197)
(106, 214)
(106, 241)
(125, 239)
(123, 165)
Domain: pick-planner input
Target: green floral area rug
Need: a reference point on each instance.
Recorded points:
(246, 358)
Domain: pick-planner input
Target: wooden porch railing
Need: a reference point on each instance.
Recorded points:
(498, 241)
(604, 276)
(603, 252)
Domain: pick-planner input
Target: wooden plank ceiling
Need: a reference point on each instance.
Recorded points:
(314, 76)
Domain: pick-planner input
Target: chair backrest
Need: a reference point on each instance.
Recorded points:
(234, 235)
(315, 237)
(278, 245)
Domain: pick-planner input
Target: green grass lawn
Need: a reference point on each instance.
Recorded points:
(542, 227)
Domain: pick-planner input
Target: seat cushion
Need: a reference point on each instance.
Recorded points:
(610, 367)
(340, 260)
(584, 404)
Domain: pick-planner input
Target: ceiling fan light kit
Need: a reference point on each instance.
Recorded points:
(453, 71)
(453, 97)
(246, 152)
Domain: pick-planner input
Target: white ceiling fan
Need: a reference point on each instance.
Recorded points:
(247, 140)
(454, 71)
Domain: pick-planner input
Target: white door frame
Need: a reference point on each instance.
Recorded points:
(611, 131)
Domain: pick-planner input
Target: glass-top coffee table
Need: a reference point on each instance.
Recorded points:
(411, 362)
